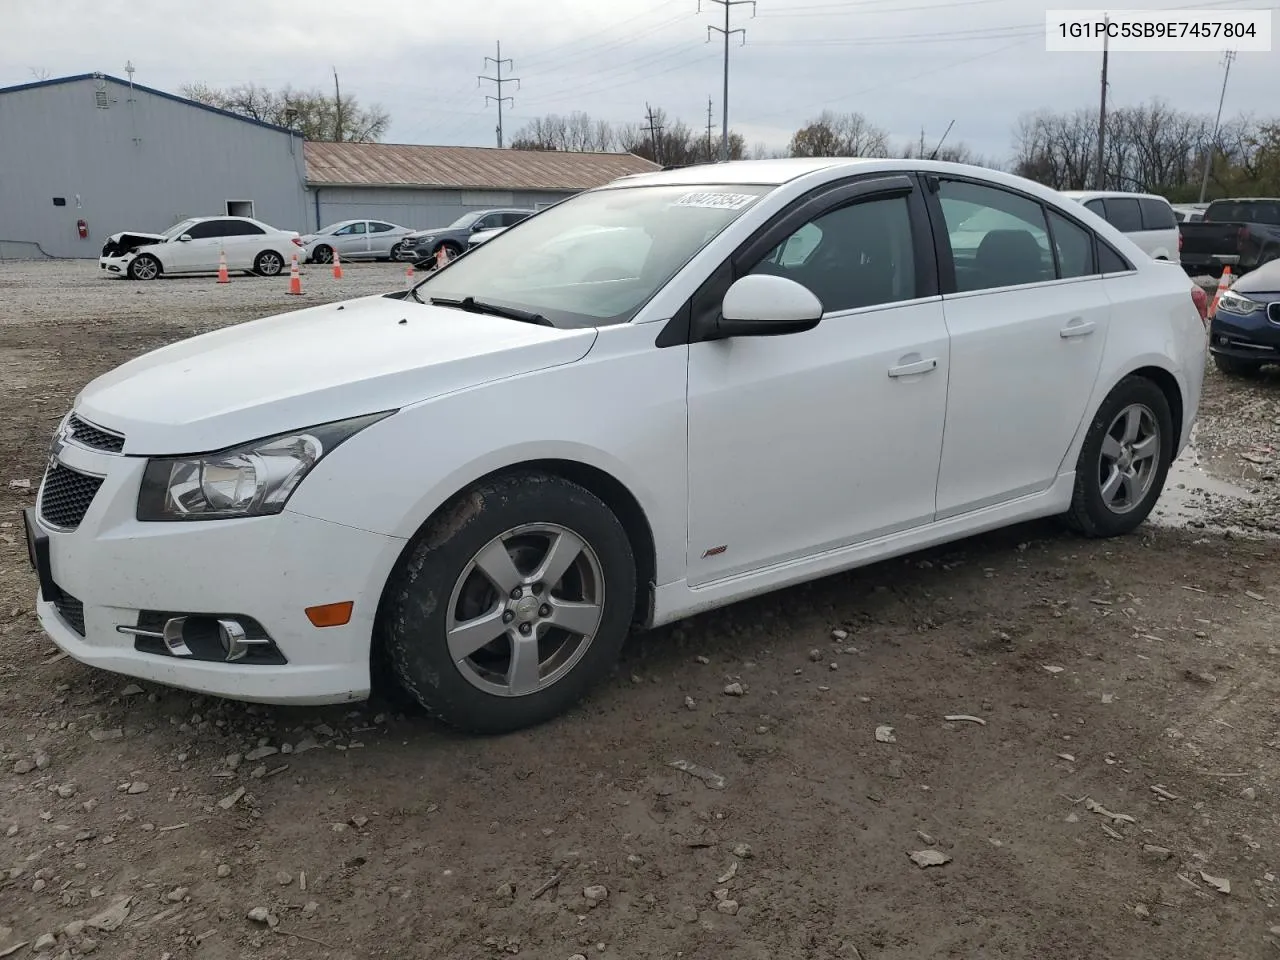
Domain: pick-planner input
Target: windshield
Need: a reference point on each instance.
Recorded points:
(466, 220)
(596, 258)
(178, 229)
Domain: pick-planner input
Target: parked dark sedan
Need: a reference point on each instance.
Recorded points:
(1245, 331)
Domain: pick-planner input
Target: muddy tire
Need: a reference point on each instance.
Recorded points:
(510, 604)
(1124, 460)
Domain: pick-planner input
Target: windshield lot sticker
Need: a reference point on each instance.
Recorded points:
(716, 201)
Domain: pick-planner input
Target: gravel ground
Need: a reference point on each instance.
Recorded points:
(1115, 795)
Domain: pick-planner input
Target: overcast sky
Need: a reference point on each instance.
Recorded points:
(905, 64)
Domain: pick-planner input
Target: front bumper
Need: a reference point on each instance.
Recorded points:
(1254, 337)
(267, 569)
(116, 267)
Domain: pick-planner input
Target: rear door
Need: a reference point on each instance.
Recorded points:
(381, 238)
(243, 241)
(1028, 315)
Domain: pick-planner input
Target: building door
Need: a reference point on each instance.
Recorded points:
(240, 208)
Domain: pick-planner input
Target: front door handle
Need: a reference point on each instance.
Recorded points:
(1077, 328)
(919, 366)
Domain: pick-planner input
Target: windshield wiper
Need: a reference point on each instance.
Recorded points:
(472, 305)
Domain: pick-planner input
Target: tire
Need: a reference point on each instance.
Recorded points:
(269, 263)
(438, 584)
(1101, 504)
(322, 254)
(144, 267)
(395, 252)
(1234, 367)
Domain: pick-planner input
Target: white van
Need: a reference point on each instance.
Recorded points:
(1148, 220)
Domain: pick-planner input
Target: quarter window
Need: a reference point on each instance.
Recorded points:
(1156, 214)
(856, 256)
(1074, 246)
(998, 239)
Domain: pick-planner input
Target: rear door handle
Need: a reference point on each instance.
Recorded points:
(1077, 328)
(919, 366)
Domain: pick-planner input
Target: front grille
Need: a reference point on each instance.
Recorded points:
(65, 495)
(1273, 312)
(88, 435)
(72, 611)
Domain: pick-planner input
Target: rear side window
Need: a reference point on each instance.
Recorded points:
(240, 228)
(1156, 214)
(376, 226)
(1074, 246)
(998, 239)
(1124, 214)
(1097, 207)
(511, 219)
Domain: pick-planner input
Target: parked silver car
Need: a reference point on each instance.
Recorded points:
(356, 240)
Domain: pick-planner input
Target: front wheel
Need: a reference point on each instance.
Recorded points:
(268, 263)
(510, 605)
(1124, 461)
(143, 267)
(1234, 367)
(322, 254)
(451, 249)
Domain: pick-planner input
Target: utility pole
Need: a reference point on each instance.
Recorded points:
(654, 130)
(1098, 171)
(499, 80)
(337, 108)
(710, 126)
(1227, 57)
(727, 32)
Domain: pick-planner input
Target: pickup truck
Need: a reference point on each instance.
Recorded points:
(1244, 233)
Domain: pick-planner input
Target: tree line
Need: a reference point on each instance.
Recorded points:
(1152, 147)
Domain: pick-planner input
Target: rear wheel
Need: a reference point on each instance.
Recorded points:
(540, 582)
(1124, 461)
(396, 251)
(1235, 367)
(268, 263)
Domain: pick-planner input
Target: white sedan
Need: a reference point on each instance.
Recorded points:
(780, 370)
(355, 240)
(195, 245)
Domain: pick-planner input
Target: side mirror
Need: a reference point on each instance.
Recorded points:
(185, 238)
(761, 305)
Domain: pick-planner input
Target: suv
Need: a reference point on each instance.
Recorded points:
(424, 244)
(1148, 220)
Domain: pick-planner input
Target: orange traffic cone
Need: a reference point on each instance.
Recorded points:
(1224, 284)
(442, 257)
(295, 279)
(337, 266)
(408, 276)
(223, 277)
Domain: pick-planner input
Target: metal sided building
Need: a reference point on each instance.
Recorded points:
(425, 187)
(87, 156)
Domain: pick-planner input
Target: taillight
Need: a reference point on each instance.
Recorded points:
(1201, 300)
(297, 240)
(1179, 241)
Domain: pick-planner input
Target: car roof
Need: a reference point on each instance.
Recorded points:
(1118, 194)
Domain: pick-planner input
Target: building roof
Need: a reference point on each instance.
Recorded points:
(57, 81)
(474, 168)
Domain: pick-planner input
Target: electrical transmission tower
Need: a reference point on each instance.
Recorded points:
(1227, 57)
(655, 132)
(499, 80)
(727, 32)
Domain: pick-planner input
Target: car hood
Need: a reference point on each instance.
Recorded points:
(313, 366)
(133, 235)
(1265, 279)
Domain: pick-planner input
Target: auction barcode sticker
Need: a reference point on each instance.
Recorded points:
(1158, 31)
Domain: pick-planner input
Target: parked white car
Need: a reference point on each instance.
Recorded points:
(1146, 219)
(356, 240)
(487, 480)
(194, 246)
(480, 236)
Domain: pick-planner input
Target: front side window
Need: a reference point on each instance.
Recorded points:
(998, 239)
(205, 230)
(856, 256)
(351, 230)
(596, 258)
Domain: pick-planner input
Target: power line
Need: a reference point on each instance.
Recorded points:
(628, 67)
(499, 80)
(655, 131)
(549, 52)
(857, 9)
(727, 32)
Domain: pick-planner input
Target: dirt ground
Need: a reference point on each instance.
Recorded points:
(1116, 799)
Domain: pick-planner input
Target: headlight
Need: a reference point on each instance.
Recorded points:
(427, 239)
(1232, 302)
(252, 480)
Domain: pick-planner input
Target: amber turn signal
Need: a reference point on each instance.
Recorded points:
(330, 614)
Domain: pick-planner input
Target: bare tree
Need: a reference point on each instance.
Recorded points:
(316, 114)
(671, 141)
(840, 135)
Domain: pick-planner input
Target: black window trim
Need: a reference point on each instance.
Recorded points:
(694, 321)
(942, 239)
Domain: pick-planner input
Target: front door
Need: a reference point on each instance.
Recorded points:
(352, 241)
(1028, 316)
(200, 252)
(817, 440)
